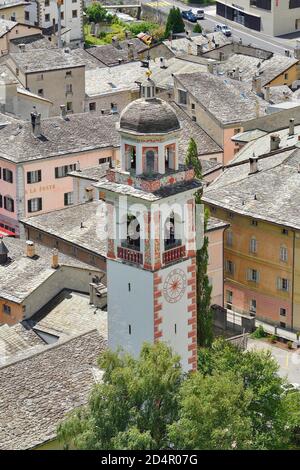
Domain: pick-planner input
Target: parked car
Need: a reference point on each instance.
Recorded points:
(222, 28)
(189, 16)
(198, 13)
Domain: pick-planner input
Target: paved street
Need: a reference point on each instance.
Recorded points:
(277, 45)
(289, 361)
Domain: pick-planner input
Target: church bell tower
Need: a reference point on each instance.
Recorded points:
(151, 265)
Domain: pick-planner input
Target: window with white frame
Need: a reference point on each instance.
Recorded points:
(252, 306)
(7, 175)
(62, 171)
(68, 199)
(9, 204)
(229, 297)
(35, 204)
(253, 245)
(283, 253)
(229, 266)
(252, 275)
(282, 312)
(283, 284)
(34, 176)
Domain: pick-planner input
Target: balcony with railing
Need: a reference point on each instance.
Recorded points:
(174, 254)
(129, 254)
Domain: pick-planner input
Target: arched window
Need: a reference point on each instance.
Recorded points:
(133, 158)
(150, 162)
(133, 232)
(253, 245)
(170, 233)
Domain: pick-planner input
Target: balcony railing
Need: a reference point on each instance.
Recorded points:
(130, 255)
(173, 254)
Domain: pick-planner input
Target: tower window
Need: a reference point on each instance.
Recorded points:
(175, 328)
(170, 235)
(129, 329)
(150, 162)
(129, 287)
(133, 233)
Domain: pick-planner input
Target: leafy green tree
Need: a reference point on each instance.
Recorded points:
(174, 23)
(197, 28)
(133, 406)
(258, 371)
(213, 414)
(97, 13)
(204, 311)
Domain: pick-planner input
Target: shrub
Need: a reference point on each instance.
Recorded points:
(259, 333)
(197, 28)
(290, 345)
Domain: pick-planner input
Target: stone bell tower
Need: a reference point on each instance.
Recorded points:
(151, 267)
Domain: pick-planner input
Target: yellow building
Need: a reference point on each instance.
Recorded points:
(13, 11)
(260, 198)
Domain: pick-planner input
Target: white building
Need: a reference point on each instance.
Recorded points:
(44, 13)
(273, 17)
(151, 266)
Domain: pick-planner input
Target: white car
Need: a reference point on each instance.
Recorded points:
(198, 13)
(222, 28)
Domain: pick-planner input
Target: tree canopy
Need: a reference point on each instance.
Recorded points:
(175, 23)
(235, 400)
(97, 13)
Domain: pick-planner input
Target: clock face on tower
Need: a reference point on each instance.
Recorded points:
(174, 285)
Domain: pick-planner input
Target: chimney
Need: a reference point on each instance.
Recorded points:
(115, 42)
(199, 49)
(221, 56)
(237, 73)
(3, 252)
(274, 142)
(256, 85)
(267, 93)
(297, 50)
(292, 127)
(253, 161)
(54, 259)
(36, 123)
(130, 51)
(162, 62)
(22, 47)
(30, 249)
(63, 111)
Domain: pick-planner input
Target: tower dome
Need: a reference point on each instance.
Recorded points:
(149, 115)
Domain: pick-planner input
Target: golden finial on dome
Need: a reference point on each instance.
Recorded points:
(149, 73)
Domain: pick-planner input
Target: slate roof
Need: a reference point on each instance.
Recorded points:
(36, 393)
(109, 55)
(189, 128)
(6, 25)
(229, 101)
(33, 60)
(272, 194)
(249, 66)
(94, 173)
(216, 224)
(35, 270)
(189, 46)
(66, 224)
(78, 133)
(153, 116)
(36, 41)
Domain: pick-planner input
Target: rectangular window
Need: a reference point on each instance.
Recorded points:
(182, 97)
(40, 77)
(253, 245)
(229, 266)
(282, 324)
(74, 13)
(47, 3)
(129, 329)
(7, 175)
(47, 17)
(229, 297)
(35, 204)
(193, 105)
(69, 106)
(34, 176)
(69, 88)
(62, 171)
(27, 17)
(284, 231)
(237, 131)
(69, 73)
(253, 306)
(6, 309)
(61, 15)
(1, 201)
(254, 223)
(283, 254)
(194, 118)
(9, 204)
(283, 284)
(40, 92)
(286, 76)
(253, 275)
(92, 106)
(282, 312)
(68, 199)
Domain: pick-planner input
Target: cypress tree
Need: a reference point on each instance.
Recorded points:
(174, 23)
